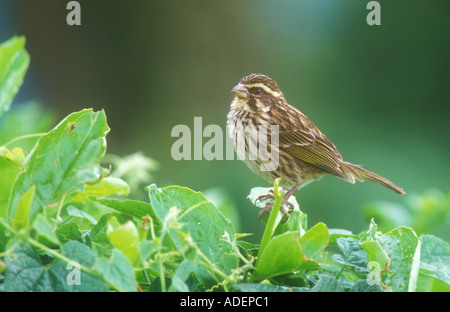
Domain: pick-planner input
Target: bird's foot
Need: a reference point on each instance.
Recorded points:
(269, 206)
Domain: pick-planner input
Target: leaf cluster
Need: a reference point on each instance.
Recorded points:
(67, 224)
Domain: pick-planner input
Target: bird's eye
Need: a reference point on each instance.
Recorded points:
(258, 91)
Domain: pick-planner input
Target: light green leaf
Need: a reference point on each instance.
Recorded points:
(125, 237)
(43, 228)
(370, 243)
(289, 252)
(14, 62)
(435, 258)
(13, 156)
(336, 233)
(128, 207)
(403, 249)
(283, 254)
(22, 218)
(75, 212)
(62, 160)
(106, 187)
(314, 241)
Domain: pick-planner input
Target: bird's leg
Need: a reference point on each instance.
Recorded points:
(268, 196)
(285, 201)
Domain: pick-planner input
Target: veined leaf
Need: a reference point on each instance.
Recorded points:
(25, 271)
(435, 258)
(403, 249)
(62, 160)
(205, 223)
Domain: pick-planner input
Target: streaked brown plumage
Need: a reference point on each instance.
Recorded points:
(305, 153)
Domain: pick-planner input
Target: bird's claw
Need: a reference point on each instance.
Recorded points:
(269, 206)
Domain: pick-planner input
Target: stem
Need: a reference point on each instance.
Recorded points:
(23, 137)
(271, 223)
(340, 272)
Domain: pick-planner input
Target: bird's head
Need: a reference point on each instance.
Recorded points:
(256, 92)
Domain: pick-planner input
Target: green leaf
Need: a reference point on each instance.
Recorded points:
(354, 255)
(75, 212)
(435, 258)
(20, 120)
(106, 187)
(201, 219)
(45, 229)
(427, 283)
(125, 237)
(336, 233)
(297, 222)
(363, 286)
(289, 252)
(69, 277)
(267, 288)
(283, 254)
(133, 208)
(25, 271)
(147, 248)
(372, 246)
(67, 232)
(181, 275)
(118, 271)
(14, 156)
(326, 283)
(62, 160)
(22, 217)
(14, 62)
(314, 241)
(403, 249)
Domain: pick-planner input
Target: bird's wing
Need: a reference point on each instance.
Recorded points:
(313, 148)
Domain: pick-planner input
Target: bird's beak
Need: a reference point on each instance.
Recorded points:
(240, 90)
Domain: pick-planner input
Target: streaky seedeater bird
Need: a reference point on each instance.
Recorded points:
(304, 152)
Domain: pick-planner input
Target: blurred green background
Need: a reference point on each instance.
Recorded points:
(380, 93)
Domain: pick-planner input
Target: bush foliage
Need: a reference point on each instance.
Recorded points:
(67, 223)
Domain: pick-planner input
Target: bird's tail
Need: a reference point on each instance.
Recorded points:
(355, 172)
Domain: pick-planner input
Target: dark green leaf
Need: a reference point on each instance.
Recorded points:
(354, 255)
(326, 283)
(68, 276)
(25, 271)
(267, 288)
(363, 286)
